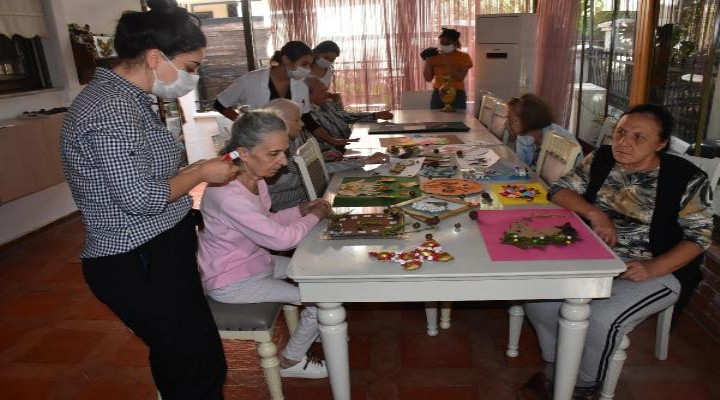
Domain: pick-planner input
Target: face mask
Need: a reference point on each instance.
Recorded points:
(323, 63)
(298, 73)
(447, 48)
(183, 85)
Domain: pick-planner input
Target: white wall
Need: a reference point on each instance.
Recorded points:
(29, 213)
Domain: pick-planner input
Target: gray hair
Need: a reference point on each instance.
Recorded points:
(282, 107)
(252, 128)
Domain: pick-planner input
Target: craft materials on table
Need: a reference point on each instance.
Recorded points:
(451, 187)
(429, 250)
(400, 167)
(419, 140)
(477, 158)
(521, 194)
(384, 128)
(383, 225)
(434, 206)
(502, 170)
(495, 227)
(374, 191)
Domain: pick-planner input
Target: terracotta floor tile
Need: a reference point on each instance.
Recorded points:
(320, 393)
(90, 308)
(669, 391)
(70, 273)
(116, 391)
(63, 347)
(237, 392)
(438, 392)
(25, 389)
(133, 353)
(442, 351)
(34, 304)
(8, 337)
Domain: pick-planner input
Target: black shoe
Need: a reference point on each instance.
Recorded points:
(585, 393)
(538, 387)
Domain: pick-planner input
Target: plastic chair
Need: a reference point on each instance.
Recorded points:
(557, 157)
(416, 100)
(612, 375)
(498, 124)
(311, 165)
(487, 109)
(711, 166)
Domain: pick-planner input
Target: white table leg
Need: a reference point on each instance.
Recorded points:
(431, 314)
(333, 331)
(572, 329)
(445, 310)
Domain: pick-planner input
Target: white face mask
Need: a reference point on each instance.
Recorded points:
(525, 140)
(183, 85)
(323, 63)
(447, 48)
(298, 73)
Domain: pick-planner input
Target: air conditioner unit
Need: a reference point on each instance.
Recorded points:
(505, 53)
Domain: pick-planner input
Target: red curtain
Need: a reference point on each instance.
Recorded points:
(381, 40)
(555, 57)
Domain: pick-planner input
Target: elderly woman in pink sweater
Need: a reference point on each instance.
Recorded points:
(235, 263)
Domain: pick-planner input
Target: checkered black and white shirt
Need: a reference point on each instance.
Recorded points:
(118, 158)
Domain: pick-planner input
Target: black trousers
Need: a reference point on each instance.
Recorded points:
(155, 290)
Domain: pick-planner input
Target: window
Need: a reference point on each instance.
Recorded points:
(22, 65)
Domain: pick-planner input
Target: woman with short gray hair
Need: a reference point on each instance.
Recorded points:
(235, 262)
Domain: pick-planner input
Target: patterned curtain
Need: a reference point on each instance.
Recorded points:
(555, 57)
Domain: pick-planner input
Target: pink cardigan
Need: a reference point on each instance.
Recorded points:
(239, 230)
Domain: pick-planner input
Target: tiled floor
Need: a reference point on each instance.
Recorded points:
(58, 342)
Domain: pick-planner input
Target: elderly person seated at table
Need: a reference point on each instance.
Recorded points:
(235, 263)
(286, 187)
(653, 209)
(529, 119)
(330, 115)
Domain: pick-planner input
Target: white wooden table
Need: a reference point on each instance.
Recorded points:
(331, 272)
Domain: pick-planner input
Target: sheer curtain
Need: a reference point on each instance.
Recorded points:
(555, 57)
(381, 40)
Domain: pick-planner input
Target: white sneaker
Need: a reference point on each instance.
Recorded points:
(308, 368)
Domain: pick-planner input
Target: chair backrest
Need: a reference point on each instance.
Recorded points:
(557, 157)
(309, 160)
(606, 132)
(416, 100)
(711, 166)
(498, 126)
(487, 109)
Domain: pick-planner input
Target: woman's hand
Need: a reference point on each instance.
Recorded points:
(321, 208)
(332, 155)
(386, 114)
(216, 170)
(603, 226)
(638, 270)
(377, 158)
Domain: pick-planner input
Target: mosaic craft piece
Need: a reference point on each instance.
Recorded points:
(521, 194)
(429, 250)
(355, 226)
(419, 140)
(451, 187)
(429, 206)
(374, 191)
(495, 226)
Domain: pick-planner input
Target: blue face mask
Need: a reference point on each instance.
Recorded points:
(525, 148)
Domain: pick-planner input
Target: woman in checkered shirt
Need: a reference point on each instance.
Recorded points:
(122, 167)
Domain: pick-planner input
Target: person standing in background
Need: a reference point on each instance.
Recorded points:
(449, 61)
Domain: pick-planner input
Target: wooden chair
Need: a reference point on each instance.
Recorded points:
(607, 391)
(311, 165)
(498, 124)
(416, 100)
(557, 157)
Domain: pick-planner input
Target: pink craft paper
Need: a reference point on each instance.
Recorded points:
(493, 225)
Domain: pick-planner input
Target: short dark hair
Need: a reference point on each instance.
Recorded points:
(166, 27)
(660, 114)
(327, 46)
(533, 111)
(451, 34)
(293, 50)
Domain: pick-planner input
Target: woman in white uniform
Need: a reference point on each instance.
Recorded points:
(322, 68)
(283, 80)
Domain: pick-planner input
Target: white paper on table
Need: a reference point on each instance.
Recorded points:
(410, 170)
(470, 159)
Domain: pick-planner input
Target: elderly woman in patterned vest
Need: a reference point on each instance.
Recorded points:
(653, 209)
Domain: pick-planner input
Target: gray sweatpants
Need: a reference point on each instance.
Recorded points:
(610, 319)
(275, 289)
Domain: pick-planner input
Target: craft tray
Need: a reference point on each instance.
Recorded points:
(364, 226)
(394, 192)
